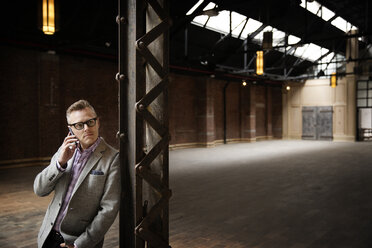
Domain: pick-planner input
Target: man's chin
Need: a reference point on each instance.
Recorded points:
(88, 142)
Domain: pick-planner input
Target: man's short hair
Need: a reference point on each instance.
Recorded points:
(79, 105)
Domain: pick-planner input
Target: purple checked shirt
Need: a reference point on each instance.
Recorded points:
(81, 158)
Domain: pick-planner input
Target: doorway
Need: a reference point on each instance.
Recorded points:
(317, 123)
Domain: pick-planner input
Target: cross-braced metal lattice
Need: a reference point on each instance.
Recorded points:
(158, 182)
(143, 124)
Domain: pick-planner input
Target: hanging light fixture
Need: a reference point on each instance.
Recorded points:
(333, 80)
(267, 42)
(244, 83)
(259, 63)
(48, 10)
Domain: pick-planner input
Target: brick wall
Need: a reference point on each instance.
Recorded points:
(218, 109)
(233, 111)
(37, 87)
(261, 126)
(19, 104)
(196, 111)
(277, 118)
(183, 119)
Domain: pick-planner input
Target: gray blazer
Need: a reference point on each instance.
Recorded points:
(94, 202)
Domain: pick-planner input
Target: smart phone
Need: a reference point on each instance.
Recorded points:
(71, 132)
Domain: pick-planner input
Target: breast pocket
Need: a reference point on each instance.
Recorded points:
(93, 186)
(96, 181)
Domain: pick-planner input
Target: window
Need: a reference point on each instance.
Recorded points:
(364, 94)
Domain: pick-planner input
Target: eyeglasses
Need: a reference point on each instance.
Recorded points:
(80, 125)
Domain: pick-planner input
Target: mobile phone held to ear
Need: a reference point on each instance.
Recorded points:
(72, 133)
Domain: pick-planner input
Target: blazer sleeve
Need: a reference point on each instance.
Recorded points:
(46, 180)
(109, 207)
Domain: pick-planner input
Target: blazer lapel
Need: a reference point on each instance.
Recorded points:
(93, 159)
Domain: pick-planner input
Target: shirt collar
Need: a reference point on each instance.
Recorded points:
(92, 148)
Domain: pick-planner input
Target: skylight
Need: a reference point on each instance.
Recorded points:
(251, 26)
(278, 37)
(326, 14)
(312, 52)
(317, 9)
(194, 7)
(314, 7)
(293, 39)
(237, 31)
(221, 22)
(342, 24)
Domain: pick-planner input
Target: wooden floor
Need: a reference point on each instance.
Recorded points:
(272, 194)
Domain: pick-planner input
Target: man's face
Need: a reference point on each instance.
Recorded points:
(88, 135)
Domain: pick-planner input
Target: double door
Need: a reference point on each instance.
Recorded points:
(317, 123)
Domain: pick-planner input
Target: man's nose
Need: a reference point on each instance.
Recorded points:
(86, 127)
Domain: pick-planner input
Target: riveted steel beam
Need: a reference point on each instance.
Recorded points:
(144, 136)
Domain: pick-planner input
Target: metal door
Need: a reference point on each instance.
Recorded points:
(324, 123)
(317, 123)
(309, 123)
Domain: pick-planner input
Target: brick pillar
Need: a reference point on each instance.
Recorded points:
(351, 52)
(251, 117)
(269, 113)
(205, 113)
(245, 113)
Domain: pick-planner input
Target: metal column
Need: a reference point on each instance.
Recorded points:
(144, 137)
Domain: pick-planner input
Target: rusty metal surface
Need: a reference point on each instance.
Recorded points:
(143, 134)
(131, 83)
(152, 108)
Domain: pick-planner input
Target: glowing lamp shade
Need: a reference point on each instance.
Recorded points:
(333, 80)
(259, 63)
(49, 26)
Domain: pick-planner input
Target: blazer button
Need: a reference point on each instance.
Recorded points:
(52, 223)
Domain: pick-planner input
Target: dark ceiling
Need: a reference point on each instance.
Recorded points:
(89, 27)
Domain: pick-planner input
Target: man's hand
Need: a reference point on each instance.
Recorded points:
(69, 246)
(67, 149)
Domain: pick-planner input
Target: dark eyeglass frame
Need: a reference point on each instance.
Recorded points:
(75, 125)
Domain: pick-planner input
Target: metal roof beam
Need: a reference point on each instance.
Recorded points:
(181, 23)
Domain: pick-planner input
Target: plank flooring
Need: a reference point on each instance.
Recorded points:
(271, 194)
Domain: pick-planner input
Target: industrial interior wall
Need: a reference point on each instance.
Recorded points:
(317, 92)
(36, 88)
(196, 111)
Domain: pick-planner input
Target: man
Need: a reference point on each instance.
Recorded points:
(85, 177)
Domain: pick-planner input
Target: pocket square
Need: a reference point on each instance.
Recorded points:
(97, 172)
